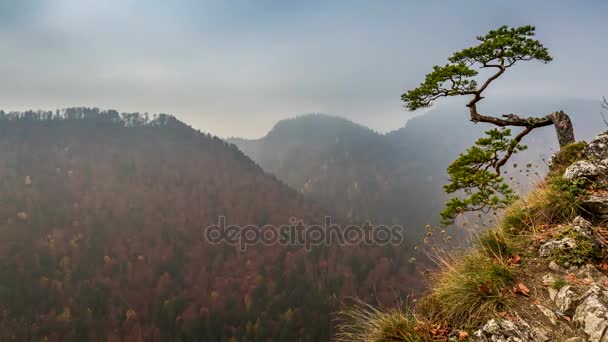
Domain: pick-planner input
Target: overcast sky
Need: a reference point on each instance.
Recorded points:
(235, 67)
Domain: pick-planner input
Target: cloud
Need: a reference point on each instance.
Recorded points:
(235, 67)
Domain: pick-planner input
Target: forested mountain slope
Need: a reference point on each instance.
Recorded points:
(101, 234)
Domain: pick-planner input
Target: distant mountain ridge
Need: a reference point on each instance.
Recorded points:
(346, 167)
(395, 177)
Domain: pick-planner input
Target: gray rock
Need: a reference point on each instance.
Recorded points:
(597, 205)
(592, 274)
(548, 313)
(581, 222)
(549, 247)
(565, 299)
(548, 280)
(598, 147)
(584, 169)
(541, 335)
(553, 266)
(552, 293)
(592, 316)
(505, 331)
(583, 227)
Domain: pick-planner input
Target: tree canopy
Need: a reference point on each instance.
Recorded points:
(499, 49)
(477, 173)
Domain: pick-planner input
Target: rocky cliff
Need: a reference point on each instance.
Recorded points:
(540, 275)
(568, 286)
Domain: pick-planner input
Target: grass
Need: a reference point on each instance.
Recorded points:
(469, 288)
(565, 157)
(584, 252)
(472, 286)
(555, 201)
(363, 322)
(558, 283)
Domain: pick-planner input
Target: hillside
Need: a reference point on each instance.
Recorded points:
(348, 168)
(102, 218)
(541, 274)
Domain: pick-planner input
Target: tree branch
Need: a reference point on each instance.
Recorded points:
(511, 148)
(605, 106)
(492, 78)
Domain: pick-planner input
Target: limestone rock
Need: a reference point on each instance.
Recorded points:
(592, 275)
(598, 147)
(582, 227)
(592, 316)
(548, 280)
(597, 205)
(552, 293)
(549, 247)
(496, 330)
(548, 313)
(584, 169)
(565, 299)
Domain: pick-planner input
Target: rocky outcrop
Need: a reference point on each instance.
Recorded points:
(595, 163)
(597, 204)
(592, 315)
(598, 147)
(571, 313)
(572, 302)
(585, 169)
(553, 246)
(501, 330)
(593, 168)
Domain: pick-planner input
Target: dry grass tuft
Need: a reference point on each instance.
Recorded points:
(549, 204)
(364, 322)
(473, 286)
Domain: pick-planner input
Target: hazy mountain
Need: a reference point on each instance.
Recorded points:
(348, 168)
(101, 229)
(397, 177)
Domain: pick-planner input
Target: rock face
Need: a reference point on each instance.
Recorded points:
(581, 310)
(573, 303)
(593, 168)
(592, 316)
(585, 169)
(500, 330)
(596, 204)
(595, 164)
(598, 147)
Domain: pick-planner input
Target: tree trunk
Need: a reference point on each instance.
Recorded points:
(563, 128)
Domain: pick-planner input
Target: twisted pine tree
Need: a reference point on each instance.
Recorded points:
(476, 173)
